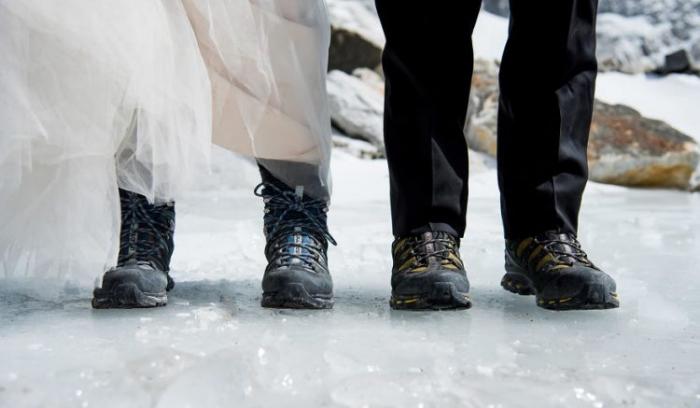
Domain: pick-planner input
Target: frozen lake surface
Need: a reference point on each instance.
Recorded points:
(214, 346)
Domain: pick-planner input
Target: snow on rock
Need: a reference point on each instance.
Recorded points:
(636, 35)
(695, 55)
(631, 44)
(371, 78)
(628, 149)
(682, 15)
(357, 39)
(357, 108)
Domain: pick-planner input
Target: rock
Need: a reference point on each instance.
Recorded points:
(695, 55)
(631, 44)
(482, 115)
(497, 7)
(683, 16)
(628, 149)
(357, 108)
(357, 39)
(371, 78)
(356, 147)
(677, 20)
(625, 148)
(676, 62)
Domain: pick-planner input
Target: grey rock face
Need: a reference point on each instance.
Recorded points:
(357, 108)
(498, 7)
(678, 61)
(357, 39)
(682, 15)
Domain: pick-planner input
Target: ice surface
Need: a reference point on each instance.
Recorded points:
(214, 346)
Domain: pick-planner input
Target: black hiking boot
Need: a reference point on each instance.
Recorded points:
(140, 278)
(553, 267)
(297, 275)
(428, 273)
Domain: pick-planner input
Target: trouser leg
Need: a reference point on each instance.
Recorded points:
(547, 90)
(427, 64)
(294, 175)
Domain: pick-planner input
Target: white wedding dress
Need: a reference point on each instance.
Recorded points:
(97, 95)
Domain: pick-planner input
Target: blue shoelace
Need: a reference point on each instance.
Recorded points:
(289, 213)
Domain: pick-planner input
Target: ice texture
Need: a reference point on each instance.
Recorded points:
(214, 346)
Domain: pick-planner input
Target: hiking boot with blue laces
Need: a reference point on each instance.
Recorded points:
(297, 275)
(553, 267)
(428, 273)
(140, 278)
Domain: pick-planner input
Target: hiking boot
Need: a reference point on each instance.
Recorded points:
(297, 275)
(140, 278)
(428, 273)
(553, 267)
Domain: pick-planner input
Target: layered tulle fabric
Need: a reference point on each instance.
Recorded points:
(101, 94)
(267, 61)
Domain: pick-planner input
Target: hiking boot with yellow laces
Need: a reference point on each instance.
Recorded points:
(428, 273)
(553, 267)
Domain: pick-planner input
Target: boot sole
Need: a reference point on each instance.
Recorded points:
(127, 296)
(592, 296)
(442, 296)
(295, 296)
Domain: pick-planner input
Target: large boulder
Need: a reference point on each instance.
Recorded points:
(357, 106)
(627, 149)
(357, 39)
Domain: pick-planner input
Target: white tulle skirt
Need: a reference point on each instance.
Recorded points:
(97, 95)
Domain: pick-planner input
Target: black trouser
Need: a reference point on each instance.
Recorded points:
(547, 83)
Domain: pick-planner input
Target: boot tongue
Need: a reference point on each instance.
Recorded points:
(564, 244)
(430, 245)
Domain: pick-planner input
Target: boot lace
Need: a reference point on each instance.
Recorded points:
(295, 225)
(440, 247)
(147, 232)
(565, 248)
